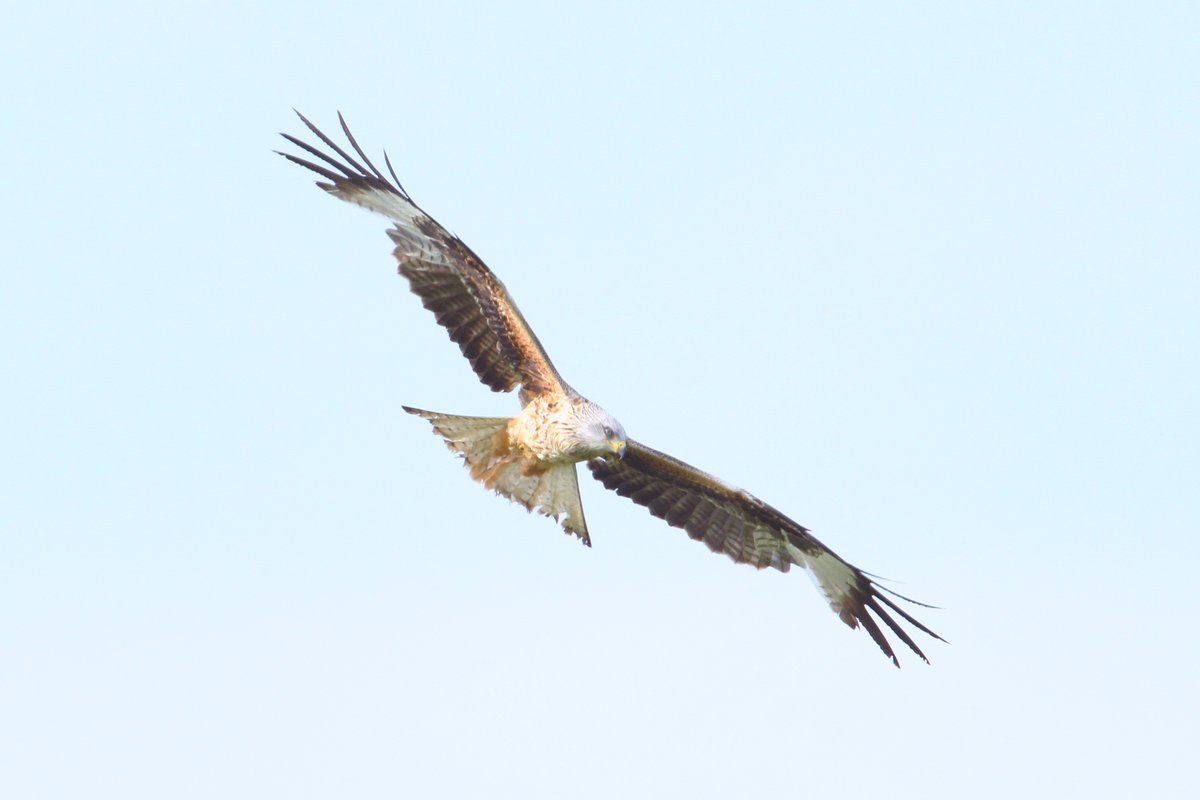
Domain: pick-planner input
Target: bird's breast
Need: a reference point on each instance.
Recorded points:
(544, 430)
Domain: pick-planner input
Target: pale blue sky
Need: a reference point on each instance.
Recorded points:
(925, 279)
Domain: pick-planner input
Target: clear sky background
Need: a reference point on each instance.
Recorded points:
(924, 278)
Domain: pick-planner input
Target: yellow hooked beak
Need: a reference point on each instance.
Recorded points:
(618, 446)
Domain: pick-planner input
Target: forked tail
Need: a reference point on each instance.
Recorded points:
(491, 458)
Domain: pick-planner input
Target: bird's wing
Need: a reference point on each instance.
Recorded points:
(749, 531)
(467, 299)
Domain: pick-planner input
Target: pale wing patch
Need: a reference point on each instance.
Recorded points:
(381, 200)
(834, 578)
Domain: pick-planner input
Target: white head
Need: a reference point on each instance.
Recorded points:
(598, 432)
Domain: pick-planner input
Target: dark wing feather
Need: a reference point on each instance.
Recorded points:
(749, 531)
(466, 298)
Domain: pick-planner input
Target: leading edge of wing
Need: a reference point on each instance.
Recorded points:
(734, 522)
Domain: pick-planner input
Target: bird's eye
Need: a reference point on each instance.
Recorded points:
(608, 432)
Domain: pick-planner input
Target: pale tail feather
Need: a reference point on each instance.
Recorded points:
(483, 443)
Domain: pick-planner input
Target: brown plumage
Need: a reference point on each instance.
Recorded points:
(530, 458)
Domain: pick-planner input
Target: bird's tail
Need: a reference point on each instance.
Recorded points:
(480, 440)
(491, 458)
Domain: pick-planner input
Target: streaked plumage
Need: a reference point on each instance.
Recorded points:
(530, 458)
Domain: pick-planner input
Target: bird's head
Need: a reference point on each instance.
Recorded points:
(602, 435)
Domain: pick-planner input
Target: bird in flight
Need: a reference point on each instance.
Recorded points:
(530, 458)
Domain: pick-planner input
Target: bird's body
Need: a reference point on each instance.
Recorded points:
(530, 458)
(546, 430)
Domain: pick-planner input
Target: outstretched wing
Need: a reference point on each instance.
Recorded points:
(749, 531)
(467, 299)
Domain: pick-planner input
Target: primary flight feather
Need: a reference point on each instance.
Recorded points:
(530, 458)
